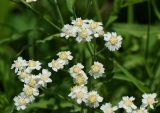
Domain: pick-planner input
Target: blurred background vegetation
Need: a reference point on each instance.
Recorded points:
(30, 31)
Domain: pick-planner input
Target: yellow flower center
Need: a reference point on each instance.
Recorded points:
(22, 101)
(79, 22)
(23, 75)
(55, 64)
(93, 25)
(79, 95)
(76, 69)
(109, 110)
(32, 82)
(128, 103)
(92, 99)
(44, 77)
(79, 80)
(113, 40)
(150, 100)
(28, 91)
(95, 68)
(18, 64)
(83, 34)
(140, 111)
(63, 56)
(32, 63)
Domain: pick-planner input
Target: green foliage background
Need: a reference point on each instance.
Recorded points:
(31, 31)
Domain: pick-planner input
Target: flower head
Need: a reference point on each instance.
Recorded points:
(65, 56)
(140, 110)
(22, 75)
(149, 100)
(84, 34)
(127, 104)
(29, 1)
(113, 41)
(56, 64)
(32, 81)
(21, 101)
(44, 77)
(68, 31)
(32, 65)
(97, 70)
(107, 108)
(93, 99)
(80, 79)
(19, 64)
(78, 93)
(76, 69)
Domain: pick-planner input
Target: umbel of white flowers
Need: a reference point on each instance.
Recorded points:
(32, 83)
(86, 30)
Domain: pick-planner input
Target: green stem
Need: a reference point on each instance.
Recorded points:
(59, 12)
(148, 30)
(155, 9)
(97, 10)
(39, 14)
(12, 110)
(100, 51)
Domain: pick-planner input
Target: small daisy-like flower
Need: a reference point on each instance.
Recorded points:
(44, 77)
(80, 79)
(141, 110)
(127, 104)
(68, 31)
(93, 99)
(30, 92)
(97, 70)
(65, 56)
(149, 100)
(78, 22)
(78, 93)
(32, 65)
(29, 1)
(21, 101)
(76, 69)
(56, 64)
(113, 41)
(23, 75)
(32, 81)
(96, 28)
(84, 34)
(107, 108)
(19, 64)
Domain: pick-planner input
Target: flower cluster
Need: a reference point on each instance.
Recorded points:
(63, 59)
(80, 92)
(32, 83)
(85, 30)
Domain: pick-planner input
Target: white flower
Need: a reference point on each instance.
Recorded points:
(93, 99)
(127, 104)
(21, 101)
(141, 110)
(44, 77)
(23, 75)
(56, 64)
(97, 70)
(68, 31)
(84, 34)
(96, 28)
(107, 108)
(79, 22)
(32, 81)
(113, 41)
(29, 1)
(80, 79)
(78, 93)
(32, 65)
(76, 69)
(65, 56)
(19, 64)
(149, 100)
(30, 92)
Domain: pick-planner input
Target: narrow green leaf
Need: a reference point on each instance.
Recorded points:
(70, 4)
